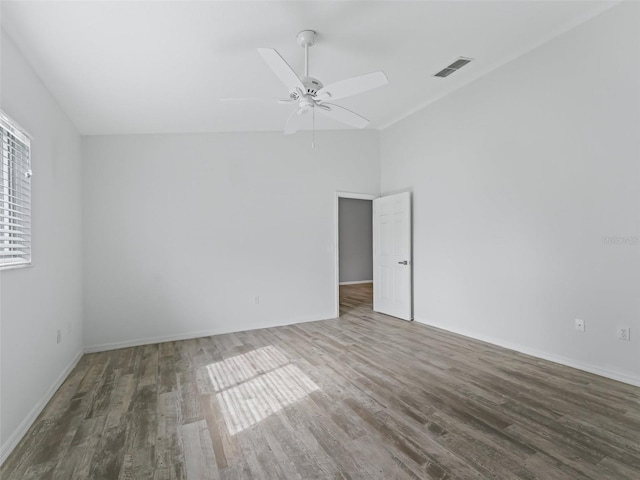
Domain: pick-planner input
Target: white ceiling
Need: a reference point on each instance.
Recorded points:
(159, 67)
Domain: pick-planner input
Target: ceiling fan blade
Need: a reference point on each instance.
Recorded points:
(282, 69)
(353, 86)
(343, 115)
(256, 100)
(293, 122)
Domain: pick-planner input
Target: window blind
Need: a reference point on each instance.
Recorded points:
(15, 195)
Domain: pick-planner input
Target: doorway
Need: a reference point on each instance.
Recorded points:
(391, 282)
(354, 252)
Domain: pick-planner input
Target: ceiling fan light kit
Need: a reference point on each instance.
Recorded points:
(310, 94)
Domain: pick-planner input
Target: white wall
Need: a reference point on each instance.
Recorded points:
(182, 232)
(516, 179)
(355, 241)
(37, 301)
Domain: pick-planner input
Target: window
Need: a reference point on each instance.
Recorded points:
(15, 195)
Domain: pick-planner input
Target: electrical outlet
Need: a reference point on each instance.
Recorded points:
(59, 336)
(579, 325)
(624, 333)
(256, 299)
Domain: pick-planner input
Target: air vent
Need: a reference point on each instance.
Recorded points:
(457, 65)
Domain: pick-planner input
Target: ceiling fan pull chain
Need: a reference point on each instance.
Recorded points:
(313, 128)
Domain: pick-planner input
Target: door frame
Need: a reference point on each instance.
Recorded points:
(338, 196)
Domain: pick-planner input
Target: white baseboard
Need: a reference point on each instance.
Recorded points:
(603, 372)
(103, 347)
(356, 283)
(18, 433)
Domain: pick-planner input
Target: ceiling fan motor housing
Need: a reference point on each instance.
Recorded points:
(312, 86)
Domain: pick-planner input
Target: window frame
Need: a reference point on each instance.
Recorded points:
(11, 175)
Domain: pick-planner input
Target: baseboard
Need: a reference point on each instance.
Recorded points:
(603, 372)
(18, 433)
(103, 347)
(356, 283)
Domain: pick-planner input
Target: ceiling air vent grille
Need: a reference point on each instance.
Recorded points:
(457, 65)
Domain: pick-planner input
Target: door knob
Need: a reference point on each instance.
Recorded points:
(404, 262)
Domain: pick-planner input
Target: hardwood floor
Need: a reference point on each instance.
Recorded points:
(364, 396)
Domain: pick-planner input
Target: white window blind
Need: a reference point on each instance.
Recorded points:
(15, 195)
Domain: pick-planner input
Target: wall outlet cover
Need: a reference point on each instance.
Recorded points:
(624, 333)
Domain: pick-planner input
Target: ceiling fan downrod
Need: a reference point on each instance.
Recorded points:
(306, 39)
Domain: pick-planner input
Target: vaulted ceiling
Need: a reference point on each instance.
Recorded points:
(160, 67)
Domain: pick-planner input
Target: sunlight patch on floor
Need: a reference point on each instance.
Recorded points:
(255, 385)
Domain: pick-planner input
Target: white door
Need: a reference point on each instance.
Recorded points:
(392, 255)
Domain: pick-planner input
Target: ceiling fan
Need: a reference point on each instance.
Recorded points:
(309, 94)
